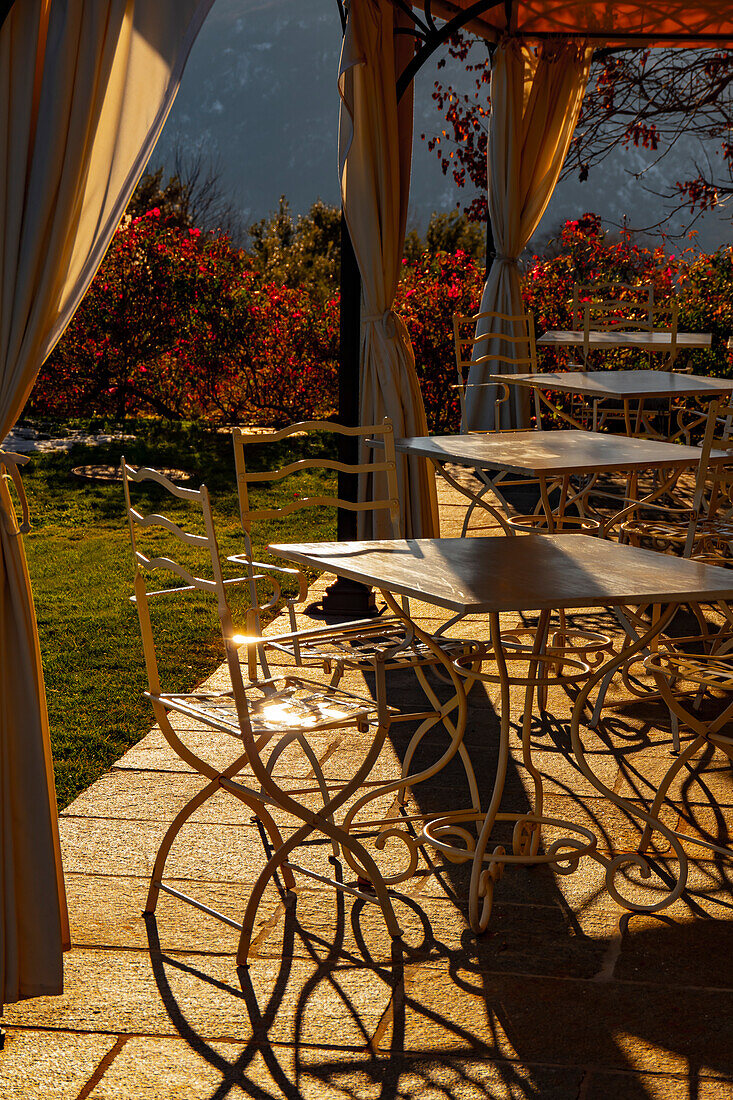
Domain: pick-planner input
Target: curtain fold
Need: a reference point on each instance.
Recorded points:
(85, 86)
(375, 151)
(536, 96)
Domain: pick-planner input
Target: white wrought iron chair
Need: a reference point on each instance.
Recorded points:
(705, 526)
(698, 690)
(262, 712)
(508, 345)
(638, 297)
(702, 530)
(351, 646)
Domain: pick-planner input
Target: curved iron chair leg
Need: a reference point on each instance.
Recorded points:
(185, 813)
(312, 760)
(679, 762)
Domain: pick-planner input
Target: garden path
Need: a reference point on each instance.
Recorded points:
(562, 998)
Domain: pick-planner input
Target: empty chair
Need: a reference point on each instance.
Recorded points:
(613, 316)
(702, 530)
(508, 347)
(636, 297)
(260, 713)
(698, 690)
(353, 646)
(500, 342)
(705, 526)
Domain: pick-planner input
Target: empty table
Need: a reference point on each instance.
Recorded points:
(652, 340)
(625, 386)
(554, 459)
(490, 576)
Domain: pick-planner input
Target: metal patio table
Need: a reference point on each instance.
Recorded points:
(655, 340)
(532, 573)
(554, 459)
(627, 387)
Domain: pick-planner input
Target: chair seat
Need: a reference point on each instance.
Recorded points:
(709, 670)
(384, 640)
(674, 532)
(276, 706)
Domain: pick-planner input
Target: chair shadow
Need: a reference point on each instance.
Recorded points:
(516, 1043)
(401, 1069)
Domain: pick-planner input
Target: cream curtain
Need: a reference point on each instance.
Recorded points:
(85, 86)
(536, 96)
(375, 152)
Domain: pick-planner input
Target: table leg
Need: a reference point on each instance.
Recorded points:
(650, 819)
(489, 862)
(476, 500)
(452, 714)
(564, 854)
(667, 482)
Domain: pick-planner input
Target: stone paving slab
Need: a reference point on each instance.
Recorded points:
(541, 938)
(657, 1086)
(201, 852)
(120, 992)
(49, 1064)
(527, 1017)
(708, 779)
(678, 953)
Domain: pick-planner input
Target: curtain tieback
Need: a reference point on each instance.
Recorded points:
(506, 259)
(9, 463)
(386, 320)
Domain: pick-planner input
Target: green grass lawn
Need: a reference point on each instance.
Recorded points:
(81, 568)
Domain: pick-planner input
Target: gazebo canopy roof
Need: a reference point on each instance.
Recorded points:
(686, 23)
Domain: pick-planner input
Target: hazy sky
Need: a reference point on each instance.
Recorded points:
(259, 98)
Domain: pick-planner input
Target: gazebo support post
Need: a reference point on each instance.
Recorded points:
(345, 597)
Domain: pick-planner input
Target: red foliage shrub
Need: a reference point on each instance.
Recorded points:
(431, 291)
(181, 324)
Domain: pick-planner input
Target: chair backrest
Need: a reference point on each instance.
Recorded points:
(489, 339)
(181, 544)
(633, 297)
(713, 495)
(376, 472)
(611, 316)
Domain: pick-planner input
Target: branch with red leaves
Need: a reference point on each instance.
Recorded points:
(648, 99)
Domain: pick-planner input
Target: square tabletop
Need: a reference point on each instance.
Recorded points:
(551, 452)
(652, 340)
(620, 384)
(517, 573)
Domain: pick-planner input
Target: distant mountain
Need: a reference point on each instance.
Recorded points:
(259, 98)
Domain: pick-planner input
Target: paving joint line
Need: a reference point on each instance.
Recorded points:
(407, 1055)
(103, 1066)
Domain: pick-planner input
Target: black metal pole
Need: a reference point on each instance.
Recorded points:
(490, 244)
(350, 344)
(344, 597)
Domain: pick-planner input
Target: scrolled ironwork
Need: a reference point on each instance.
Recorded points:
(430, 37)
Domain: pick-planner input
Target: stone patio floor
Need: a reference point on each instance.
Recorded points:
(563, 997)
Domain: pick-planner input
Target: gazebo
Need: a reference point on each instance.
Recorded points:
(86, 87)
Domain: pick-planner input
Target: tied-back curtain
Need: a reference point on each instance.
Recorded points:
(85, 86)
(536, 96)
(375, 152)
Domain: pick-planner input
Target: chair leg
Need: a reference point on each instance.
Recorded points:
(312, 759)
(320, 779)
(171, 833)
(194, 804)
